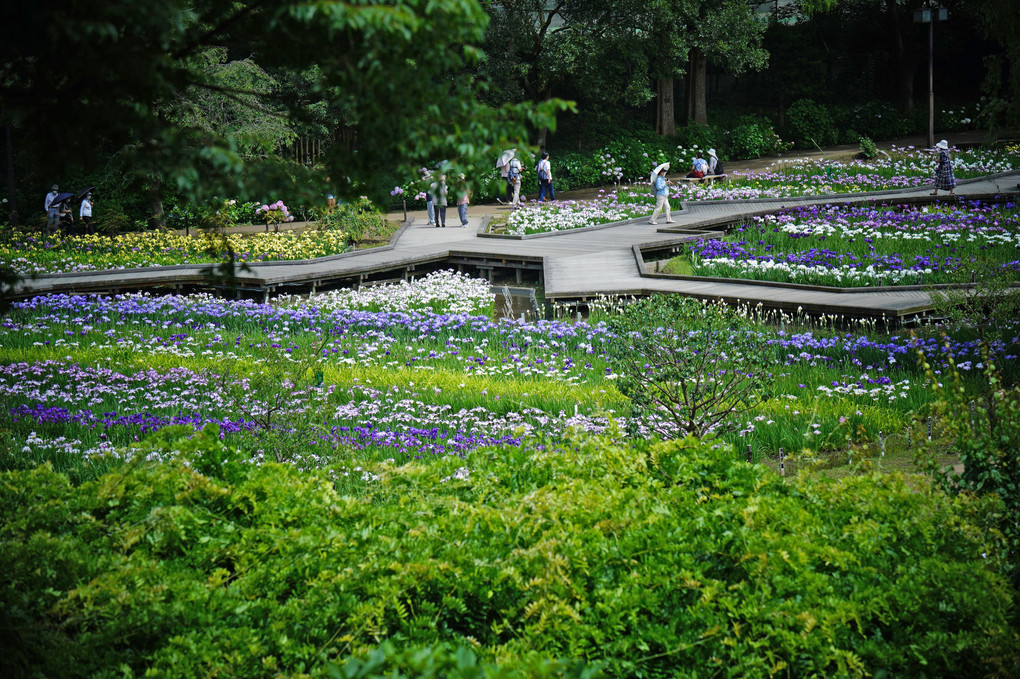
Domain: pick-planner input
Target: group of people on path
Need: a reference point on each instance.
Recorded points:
(512, 171)
(437, 198)
(944, 177)
(57, 207)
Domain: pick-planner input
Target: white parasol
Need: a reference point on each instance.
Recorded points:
(657, 170)
(505, 157)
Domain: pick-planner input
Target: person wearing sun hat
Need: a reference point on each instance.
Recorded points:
(714, 166)
(944, 178)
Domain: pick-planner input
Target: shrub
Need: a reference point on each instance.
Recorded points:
(356, 220)
(645, 560)
(873, 119)
(752, 137)
(697, 135)
(699, 380)
(810, 124)
(868, 148)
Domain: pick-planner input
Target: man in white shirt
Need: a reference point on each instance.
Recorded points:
(85, 212)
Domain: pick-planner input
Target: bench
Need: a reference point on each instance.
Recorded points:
(710, 178)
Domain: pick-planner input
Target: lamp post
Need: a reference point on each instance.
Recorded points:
(929, 15)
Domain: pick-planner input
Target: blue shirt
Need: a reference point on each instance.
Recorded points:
(660, 186)
(701, 164)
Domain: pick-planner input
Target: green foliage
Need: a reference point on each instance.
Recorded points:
(752, 137)
(985, 300)
(694, 364)
(810, 124)
(868, 148)
(152, 81)
(873, 119)
(387, 662)
(641, 560)
(985, 426)
(356, 219)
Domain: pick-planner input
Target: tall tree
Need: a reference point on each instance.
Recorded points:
(1001, 22)
(74, 72)
(727, 32)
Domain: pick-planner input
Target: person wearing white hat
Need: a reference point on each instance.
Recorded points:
(661, 195)
(714, 166)
(944, 177)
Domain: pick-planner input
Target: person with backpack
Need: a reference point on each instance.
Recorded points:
(545, 180)
(699, 168)
(513, 176)
(714, 166)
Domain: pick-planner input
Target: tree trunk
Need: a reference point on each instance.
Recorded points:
(665, 116)
(12, 196)
(905, 85)
(905, 57)
(697, 110)
(157, 220)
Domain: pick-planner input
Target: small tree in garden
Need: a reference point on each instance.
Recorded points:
(697, 381)
(987, 301)
(986, 433)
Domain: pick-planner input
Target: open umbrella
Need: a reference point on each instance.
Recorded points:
(505, 157)
(84, 192)
(61, 197)
(657, 170)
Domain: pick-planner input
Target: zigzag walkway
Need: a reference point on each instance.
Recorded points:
(573, 265)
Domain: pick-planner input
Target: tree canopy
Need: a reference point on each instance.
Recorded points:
(187, 86)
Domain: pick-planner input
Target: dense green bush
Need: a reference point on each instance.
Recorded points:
(355, 220)
(810, 124)
(752, 137)
(873, 119)
(674, 560)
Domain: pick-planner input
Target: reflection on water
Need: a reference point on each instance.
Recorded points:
(514, 303)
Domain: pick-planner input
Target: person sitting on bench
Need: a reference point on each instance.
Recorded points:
(699, 168)
(714, 166)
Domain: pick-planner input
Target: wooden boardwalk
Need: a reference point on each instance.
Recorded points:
(572, 266)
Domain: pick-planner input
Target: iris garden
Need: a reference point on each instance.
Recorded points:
(848, 246)
(402, 373)
(395, 481)
(903, 168)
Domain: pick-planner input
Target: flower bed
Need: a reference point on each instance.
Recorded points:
(28, 253)
(865, 246)
(907, 168)
(314, 383)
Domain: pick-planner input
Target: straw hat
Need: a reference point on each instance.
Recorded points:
(711, 152)
(944, 145)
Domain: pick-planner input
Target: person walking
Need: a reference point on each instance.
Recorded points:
(462, 206)
(545, 178)
(514, 177)
(85, 213)
(52, 210)
(66, 223)
(944, 177)
(504, 172)
(661, 197)
(439, 191)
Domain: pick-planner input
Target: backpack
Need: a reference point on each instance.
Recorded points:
(514, 172)
(542, 174)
